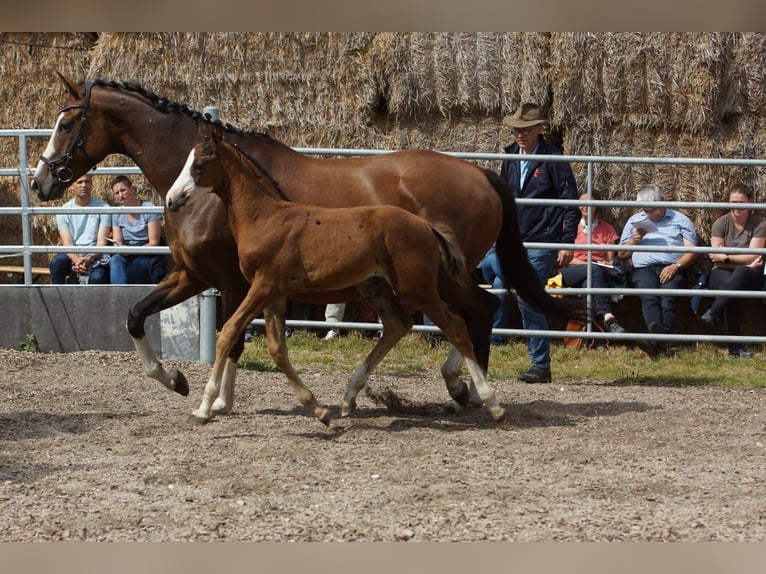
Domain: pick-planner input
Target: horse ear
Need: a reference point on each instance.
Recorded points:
(204, 130)
(71, 86)
(217, 133)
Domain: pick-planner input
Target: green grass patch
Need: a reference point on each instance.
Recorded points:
(694, 365)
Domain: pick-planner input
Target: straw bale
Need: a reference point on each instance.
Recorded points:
(266, 82)
(28, 61)
(621, 94)
(638, 79)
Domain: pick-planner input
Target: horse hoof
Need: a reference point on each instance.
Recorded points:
(499, 416)
(180, 384)
(463, 398)
(347, 409)
(220, 408)
(453, 408)
(323, 414)
(196, 421)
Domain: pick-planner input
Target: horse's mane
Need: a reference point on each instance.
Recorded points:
(166, 106)
(261, 171)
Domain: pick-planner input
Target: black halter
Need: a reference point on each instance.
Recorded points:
(59, 166)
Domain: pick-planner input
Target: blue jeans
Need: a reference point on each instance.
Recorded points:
(61, 271)
(577, 276)
(656, 308)
(490, 270)
(126, 269)
(539, 348)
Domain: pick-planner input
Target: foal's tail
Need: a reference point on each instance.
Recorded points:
(518, 273)
(453, 260)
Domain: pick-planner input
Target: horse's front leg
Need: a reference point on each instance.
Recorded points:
(456, 333)
(231, 299)
(274, 316)
(396, 324)
(476, 307)
(174, 289)
(232, 329)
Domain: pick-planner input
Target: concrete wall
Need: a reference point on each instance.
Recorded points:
(66, 318)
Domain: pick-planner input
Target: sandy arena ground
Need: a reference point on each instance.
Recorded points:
(90, 449)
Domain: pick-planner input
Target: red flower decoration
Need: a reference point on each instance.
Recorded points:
(537, 172)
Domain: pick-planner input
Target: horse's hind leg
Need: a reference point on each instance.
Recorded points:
(396, 324)
(476, 307)
(174, 289)
(456, 333)
(275, 335)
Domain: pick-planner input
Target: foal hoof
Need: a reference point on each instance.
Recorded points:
(196, 421)
(180, 384)
(220, 408)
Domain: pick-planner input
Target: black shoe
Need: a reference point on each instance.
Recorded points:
(648, 347)
(740, 351)
(614, 326)
(710, 317)
(659, 329)
(536, 375)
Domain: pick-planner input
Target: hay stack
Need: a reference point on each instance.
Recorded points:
(623, 94)
(28, 62)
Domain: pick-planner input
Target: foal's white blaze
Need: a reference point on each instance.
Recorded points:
(183, 187)
(50, 149)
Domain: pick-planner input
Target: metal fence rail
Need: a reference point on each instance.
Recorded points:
(23, 172)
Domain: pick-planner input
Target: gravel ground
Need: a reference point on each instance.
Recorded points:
(90, 449)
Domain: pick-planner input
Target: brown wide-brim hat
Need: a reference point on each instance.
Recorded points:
(526, 116)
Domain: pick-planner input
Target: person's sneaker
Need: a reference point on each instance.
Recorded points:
(614, 326)
(331, 334)
(536, 375)
(710, 317)
(740, 351)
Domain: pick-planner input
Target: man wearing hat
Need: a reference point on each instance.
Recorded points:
(535, 179)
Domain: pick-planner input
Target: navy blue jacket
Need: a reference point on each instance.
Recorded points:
(553, 180)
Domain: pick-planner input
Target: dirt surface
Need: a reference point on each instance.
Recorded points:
(91, 449)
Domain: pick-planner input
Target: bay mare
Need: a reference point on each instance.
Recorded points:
(288, 248)
(102, 118)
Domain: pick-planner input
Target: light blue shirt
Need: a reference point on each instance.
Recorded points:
(672, 229)
(135, 233)
(524, 167)
(84, 226)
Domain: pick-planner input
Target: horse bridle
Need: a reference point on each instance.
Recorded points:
(59, 166)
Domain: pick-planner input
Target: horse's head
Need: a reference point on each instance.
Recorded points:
(66, 157)
(202, 172)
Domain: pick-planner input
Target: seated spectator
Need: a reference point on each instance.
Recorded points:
(658, 226)
(135, 229)
(574, 274)
(82, 230)
(741, 271)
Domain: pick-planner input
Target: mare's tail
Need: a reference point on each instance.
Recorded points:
(453, 260)
(518, 273)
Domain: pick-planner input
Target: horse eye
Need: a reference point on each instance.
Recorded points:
(196, 168)
(65, 127)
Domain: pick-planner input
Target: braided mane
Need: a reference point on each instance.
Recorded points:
(166, 106)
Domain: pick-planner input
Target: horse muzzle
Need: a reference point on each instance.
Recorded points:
(175, 203)
(48, 191)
